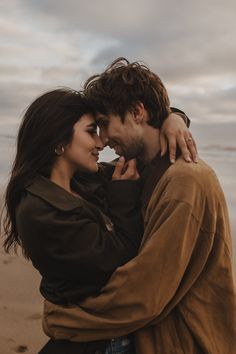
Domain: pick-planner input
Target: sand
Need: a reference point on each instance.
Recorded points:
(20, 306)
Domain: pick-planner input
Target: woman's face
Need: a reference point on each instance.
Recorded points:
(82, 152)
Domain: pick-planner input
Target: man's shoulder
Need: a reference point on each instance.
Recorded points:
(188, 182)
(198, 173)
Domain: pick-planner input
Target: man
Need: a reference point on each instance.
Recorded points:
(178, 294)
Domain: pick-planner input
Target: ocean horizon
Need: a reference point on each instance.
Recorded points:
(216, 146)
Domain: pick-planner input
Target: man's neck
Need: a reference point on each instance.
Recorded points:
(151, 139)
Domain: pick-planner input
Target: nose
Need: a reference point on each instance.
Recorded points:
(103, 137)
(99, 143)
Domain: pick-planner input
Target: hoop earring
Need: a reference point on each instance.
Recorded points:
(59, 150)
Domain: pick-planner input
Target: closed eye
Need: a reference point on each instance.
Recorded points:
(93, 131)
(92, 128)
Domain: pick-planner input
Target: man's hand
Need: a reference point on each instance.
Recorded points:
(174, 132)
(125, 170)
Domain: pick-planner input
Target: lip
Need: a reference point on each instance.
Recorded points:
(96, 156)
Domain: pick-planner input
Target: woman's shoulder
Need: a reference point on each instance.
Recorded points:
(43, 198)
(43, 192)
(45, 201)
(31, 206)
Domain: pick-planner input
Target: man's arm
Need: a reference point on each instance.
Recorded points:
(151, 284)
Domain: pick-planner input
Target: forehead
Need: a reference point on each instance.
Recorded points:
(101, 117)
(110, 119)
(86, 119)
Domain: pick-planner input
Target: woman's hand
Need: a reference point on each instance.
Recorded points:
(174, 132)
(125, 170)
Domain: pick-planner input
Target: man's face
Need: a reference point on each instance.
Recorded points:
(125, 138)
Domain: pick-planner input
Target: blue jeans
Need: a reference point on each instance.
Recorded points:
(120, 345)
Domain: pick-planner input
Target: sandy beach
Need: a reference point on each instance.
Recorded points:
(21, 306)
(20, 301)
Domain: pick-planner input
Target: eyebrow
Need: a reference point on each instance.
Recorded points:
(92, 125)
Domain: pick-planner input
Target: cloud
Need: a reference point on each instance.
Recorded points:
(55, 43)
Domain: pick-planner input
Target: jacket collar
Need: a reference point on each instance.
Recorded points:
(53, 194)
(151, 175)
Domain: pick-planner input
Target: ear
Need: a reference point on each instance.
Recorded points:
(139, 113)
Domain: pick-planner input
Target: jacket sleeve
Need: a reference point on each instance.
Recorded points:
(141, 290)
(182, 115)
(81, 247)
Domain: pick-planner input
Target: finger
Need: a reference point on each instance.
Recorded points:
(192, 147)
(184, 148)
(132, 164)
(172, 148)
(163, 144)
(131, 172)
(117, 174)
(193, 150)
(130, 168)
(137, 175)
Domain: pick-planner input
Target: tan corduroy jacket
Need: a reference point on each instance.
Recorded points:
(178, 294)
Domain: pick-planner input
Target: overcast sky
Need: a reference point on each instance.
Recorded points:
(190, 44)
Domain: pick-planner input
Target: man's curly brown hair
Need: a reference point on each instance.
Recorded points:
(123, 85)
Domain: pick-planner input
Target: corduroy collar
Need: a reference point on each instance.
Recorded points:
(151, 175)
(53, 194)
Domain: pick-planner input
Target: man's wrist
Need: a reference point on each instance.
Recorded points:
(182, 115)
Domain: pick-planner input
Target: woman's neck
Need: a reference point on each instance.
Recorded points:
(61, 175)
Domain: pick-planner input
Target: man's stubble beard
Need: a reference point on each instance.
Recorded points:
(134, 149)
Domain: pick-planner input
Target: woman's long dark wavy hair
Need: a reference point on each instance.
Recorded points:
(47, 122)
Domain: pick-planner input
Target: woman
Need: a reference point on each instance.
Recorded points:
(73, 243)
